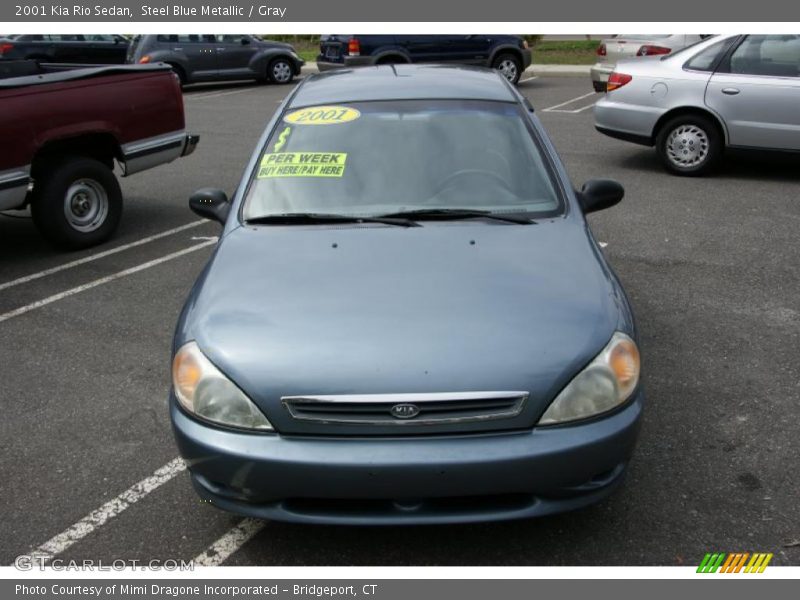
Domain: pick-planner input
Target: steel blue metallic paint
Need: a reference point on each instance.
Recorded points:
(370, 309)
(458, 479)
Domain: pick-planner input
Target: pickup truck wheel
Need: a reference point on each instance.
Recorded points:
(76, 203)
(509, 66)
(689, 145)
(280, 71)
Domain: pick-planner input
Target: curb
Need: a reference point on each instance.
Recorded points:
(545, 70)
(533, 70)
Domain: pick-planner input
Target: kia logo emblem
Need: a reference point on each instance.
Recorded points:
(404, 411)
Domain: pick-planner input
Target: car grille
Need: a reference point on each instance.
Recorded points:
(406, 409)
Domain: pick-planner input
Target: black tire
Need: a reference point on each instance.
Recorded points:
(600, 86)
(280, 71)
(76, 202)
(180, 73)
(510, 67)
(689, 145)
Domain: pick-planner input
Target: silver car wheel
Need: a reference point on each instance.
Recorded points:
(86, 205)
(687, 146)
(281, 72)
(508, 68)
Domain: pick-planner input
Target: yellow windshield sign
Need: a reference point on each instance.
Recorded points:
(302, 164)
(322, 115)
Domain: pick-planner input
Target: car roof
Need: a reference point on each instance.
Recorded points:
(402, 82)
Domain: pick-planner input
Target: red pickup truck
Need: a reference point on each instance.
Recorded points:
(61, 132)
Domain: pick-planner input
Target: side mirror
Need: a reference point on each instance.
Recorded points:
(245, 41)
(599, 194)
(210, 203)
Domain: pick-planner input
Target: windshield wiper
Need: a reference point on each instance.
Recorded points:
(458, 213)
(308, 218)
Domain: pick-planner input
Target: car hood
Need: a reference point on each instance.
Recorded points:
(456, 306)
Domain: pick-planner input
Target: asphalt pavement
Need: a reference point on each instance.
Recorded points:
(87, 458)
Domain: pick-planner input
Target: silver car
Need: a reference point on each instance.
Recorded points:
(737, 91)
(629, 46)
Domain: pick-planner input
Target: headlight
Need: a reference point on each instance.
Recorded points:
(605, 383)
(204, 391)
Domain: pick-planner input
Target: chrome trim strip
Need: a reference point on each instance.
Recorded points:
(150, 144)
(419, 399)
(14, 187)
(11, 175)
(414, 398)
(151, 152)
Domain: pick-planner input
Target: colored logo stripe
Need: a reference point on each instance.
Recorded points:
(734, 562)
(758, 563)
(711, 562)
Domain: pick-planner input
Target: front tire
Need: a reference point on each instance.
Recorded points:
(181, 74)
(280, 71)
(689, 145)
(509, 66)
(77, 202)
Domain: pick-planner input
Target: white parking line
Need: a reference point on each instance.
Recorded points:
(217, 94)
(92, 284)
(557, 106)
(99, 255)
(221, 550)
(572, 112)
(97, 518)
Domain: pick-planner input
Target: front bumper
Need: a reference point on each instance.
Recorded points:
(410, 479)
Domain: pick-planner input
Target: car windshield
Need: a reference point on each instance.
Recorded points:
(375, 158)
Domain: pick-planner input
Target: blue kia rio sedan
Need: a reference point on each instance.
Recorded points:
(406, 318)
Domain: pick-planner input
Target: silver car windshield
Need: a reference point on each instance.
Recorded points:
(375, 158)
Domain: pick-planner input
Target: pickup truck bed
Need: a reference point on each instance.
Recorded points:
(63, 130)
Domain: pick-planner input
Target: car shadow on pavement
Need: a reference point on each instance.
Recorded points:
(569, 538)
(196, 88)
(736, 164)
(218, 86)
(25, 251)
(18, 236)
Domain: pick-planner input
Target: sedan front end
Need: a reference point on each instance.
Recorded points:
(438, 459)
(406, 319)
(391, 480)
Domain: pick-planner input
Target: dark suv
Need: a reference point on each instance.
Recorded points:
(507, 53)
(198, 58)
(93, 48)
